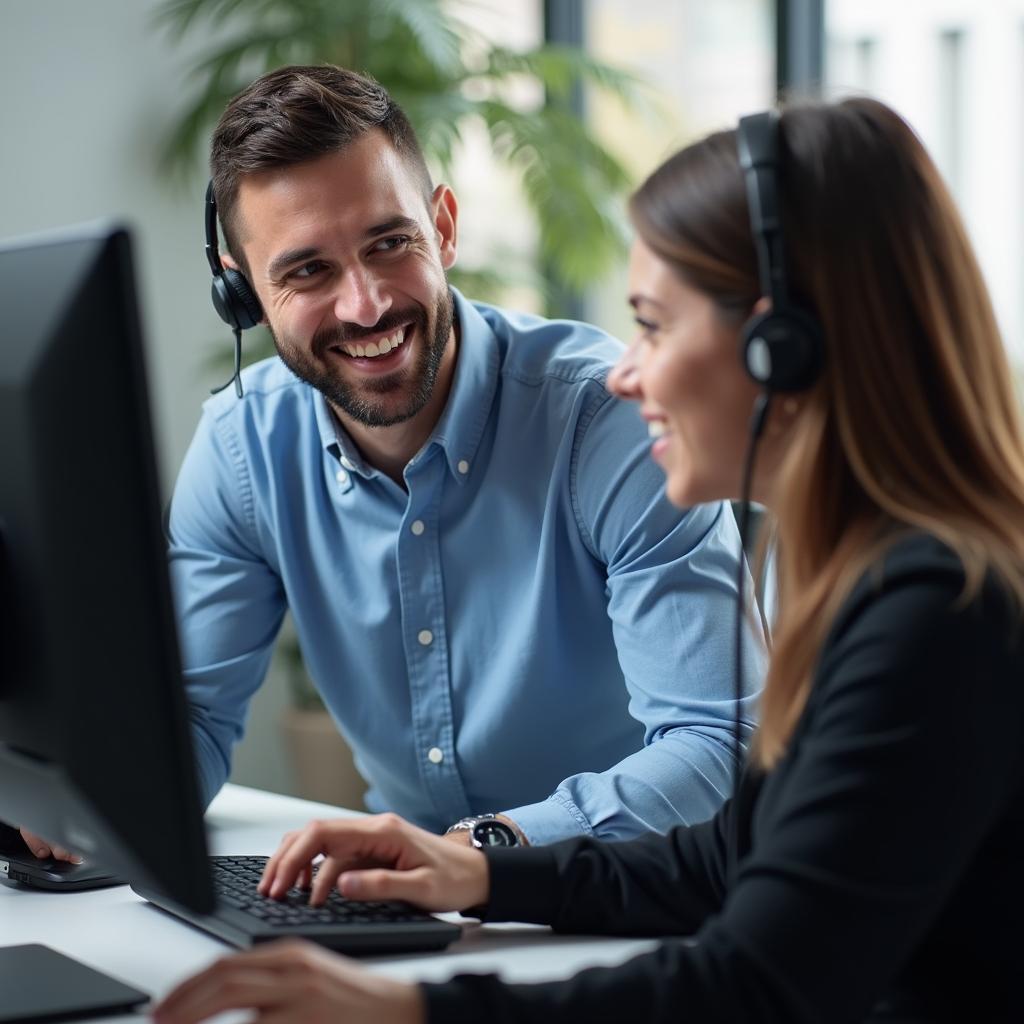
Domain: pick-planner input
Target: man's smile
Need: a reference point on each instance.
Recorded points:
(373, 349)
(383, 354)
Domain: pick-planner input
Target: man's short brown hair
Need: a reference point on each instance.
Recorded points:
(299, 113)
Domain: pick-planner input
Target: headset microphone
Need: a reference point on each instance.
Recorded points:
(781, 349)
(233, 297)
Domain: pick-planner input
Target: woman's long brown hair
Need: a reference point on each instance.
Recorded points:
(914, 423)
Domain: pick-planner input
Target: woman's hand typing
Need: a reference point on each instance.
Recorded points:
(378, 858)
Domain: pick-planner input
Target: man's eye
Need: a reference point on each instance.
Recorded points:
(306, 271)
(647, 327)
(391, 244)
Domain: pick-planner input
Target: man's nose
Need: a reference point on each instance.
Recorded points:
(360, 298)
(624, 377)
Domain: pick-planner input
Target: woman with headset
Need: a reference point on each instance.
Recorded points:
(869, 865)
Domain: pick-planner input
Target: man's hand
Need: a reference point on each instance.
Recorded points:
(43, 849)
(296, 982)
(378, 858)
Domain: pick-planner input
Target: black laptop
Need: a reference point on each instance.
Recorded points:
(38, 984)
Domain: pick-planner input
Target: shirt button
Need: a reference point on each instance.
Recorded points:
(341, 476)
(435, 755)
(463, 466)
(425, 637)
(347, 462)
(417, 527)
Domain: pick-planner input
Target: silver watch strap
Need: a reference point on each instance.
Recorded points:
(465, 824)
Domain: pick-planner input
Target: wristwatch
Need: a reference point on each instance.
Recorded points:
(485, 830)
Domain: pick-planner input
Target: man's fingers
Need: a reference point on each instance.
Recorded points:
(39, 846)
(61, 854)
(42, 849)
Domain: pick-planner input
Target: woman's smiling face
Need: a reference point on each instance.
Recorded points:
(684, 369)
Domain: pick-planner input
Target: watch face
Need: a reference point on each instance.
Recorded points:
(493, 833)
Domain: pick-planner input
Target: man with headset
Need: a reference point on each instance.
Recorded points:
(520, 638)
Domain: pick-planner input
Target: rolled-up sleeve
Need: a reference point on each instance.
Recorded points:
(671, 582)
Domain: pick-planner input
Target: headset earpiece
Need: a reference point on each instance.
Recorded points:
(782, 349)
(233, 298)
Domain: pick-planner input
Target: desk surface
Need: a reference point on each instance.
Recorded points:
(117, 932)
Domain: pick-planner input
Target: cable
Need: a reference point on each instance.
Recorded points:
(237, 376)
(757, 420)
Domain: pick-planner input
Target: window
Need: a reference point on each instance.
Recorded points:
(955, 71)
(709, 63)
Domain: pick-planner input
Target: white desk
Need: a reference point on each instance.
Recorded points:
(116, 932)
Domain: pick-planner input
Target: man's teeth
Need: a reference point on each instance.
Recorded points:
(656, 428)
(376, 348)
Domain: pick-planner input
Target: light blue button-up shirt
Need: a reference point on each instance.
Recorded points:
(530, 627)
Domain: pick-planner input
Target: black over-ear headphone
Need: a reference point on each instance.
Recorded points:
(782, 349)
(233, 298)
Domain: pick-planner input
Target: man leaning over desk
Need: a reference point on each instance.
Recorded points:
(499, 607)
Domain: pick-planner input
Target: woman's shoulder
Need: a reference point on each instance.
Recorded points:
(913, 555)
(918, 585)
(919, 561)
(914, 637)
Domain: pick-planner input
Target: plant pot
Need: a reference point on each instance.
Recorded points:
(321, 761)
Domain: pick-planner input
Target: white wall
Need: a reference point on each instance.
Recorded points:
(88, 88)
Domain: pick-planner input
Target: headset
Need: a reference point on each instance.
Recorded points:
(781, 349)
(233, 298)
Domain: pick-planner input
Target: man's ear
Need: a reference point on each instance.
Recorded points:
(229, 262)
(445, 210)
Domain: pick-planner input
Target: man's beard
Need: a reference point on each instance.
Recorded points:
(359, 401)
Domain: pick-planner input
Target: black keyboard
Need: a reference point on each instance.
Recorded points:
(235, 880)
(244, 917)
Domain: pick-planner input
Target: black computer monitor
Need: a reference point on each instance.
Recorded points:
(95, 751)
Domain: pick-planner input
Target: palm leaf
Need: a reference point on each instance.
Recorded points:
(436, 34)
(559, 68)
